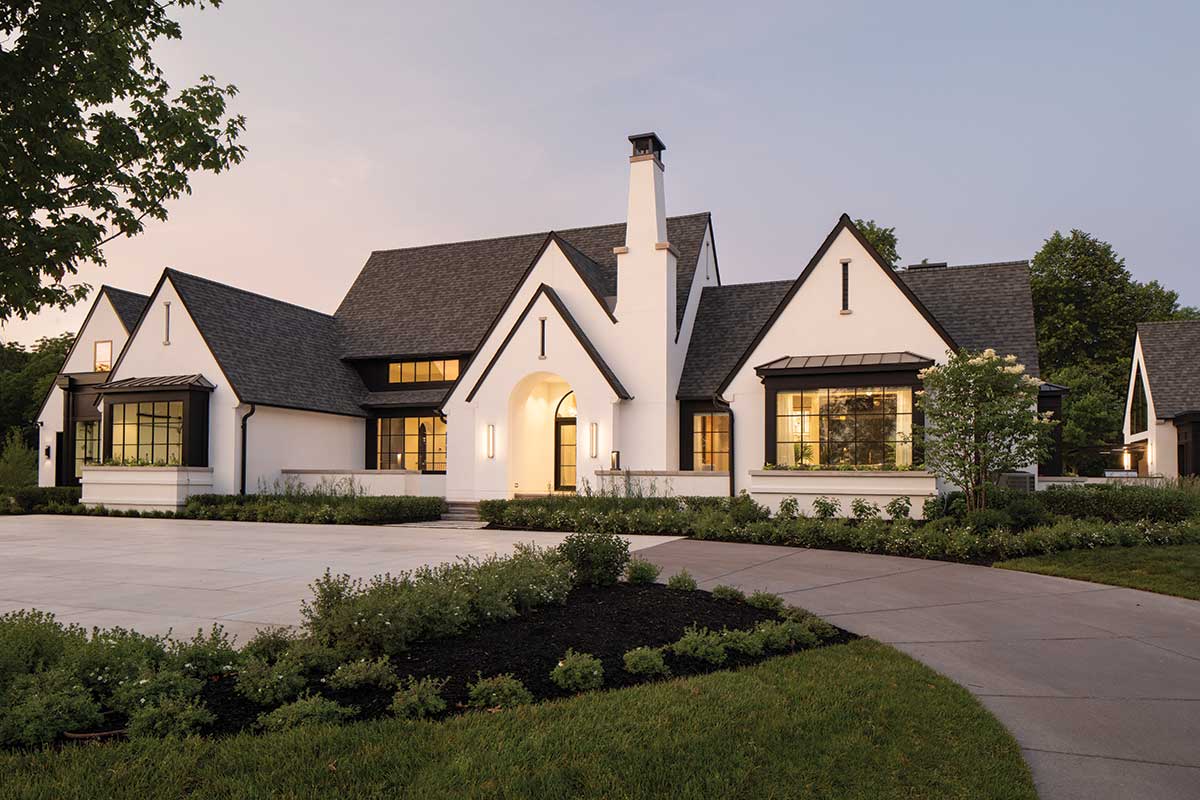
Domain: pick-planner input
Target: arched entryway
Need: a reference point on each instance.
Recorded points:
(543, 442)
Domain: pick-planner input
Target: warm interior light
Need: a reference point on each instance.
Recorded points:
(1127, 460)
(615, 459)
(594, 444)
(491, 441)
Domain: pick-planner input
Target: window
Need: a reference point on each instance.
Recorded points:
(845, 286)
(565, 430)
(87, 444)
(415, 443)
(102, 356)
(1139, 409)
(541, 337)
(148, 432)
(710, 441)
(439, 371)
(844, 427)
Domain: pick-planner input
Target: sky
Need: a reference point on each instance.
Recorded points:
(976, 130)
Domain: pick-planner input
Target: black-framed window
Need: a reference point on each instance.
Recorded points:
(147, 431)
(1139, 408)
(102, 355)
(440, 370)
(413, 442)
(87, 444)
(710, 441)
(844, 426)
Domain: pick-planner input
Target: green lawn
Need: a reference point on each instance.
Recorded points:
(1167, 570)
(849, 721)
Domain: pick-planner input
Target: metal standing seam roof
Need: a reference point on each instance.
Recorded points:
(158, 382)
(793, 363)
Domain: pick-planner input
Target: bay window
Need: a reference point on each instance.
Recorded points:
(869, 426)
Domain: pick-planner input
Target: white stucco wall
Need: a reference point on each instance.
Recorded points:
(1161, 437)
(287, 439)
(51, 420)
(881, 320)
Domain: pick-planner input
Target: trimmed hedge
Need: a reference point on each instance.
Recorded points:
(1122, 502)
(36, 499)
(313, 508)
(674, 516)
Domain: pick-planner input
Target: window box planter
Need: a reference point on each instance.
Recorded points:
(769, 487)
(144, 488)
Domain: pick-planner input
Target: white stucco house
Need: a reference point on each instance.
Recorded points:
(529, 364)
(1162, 405)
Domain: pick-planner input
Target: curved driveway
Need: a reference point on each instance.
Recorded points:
(1100, 685)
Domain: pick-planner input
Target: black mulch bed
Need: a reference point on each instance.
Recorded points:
(605, 622)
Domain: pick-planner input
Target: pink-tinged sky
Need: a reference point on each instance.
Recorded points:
(975, 129)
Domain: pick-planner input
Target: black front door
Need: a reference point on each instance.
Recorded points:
(564, 455)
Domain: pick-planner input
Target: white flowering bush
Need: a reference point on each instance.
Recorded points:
(578, 672)
(981, 420)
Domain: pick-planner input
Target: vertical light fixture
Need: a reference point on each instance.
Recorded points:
(491, 441)
(614, 459)
(594, 443)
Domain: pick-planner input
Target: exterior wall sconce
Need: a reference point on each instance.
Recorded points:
(594, 442)
(491, 441)
(47, 452)
(614, 459)
(1127, 460)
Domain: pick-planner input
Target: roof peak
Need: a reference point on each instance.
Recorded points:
(192, 276)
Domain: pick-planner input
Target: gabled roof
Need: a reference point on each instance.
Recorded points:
(273, 353)
(441, 299)
(981, 305)
(128, 305)
(1172, 367)
(581, 337)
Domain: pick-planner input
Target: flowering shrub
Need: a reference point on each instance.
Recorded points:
(34, 640)
(150, 688)
(682, 581)
(172, 717)
(646, 662)
(270, 684)
(501, 691)
(642, 571)
(40, 707)
(364, 673)
(205, 654)
(578, 672)
(597, 559)
(419, 699)
(308, 710)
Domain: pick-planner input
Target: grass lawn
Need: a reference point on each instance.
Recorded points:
(1167, 570)
(858, 720)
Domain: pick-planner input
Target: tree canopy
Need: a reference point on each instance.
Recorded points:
(92, 140)
(884, 240)
(25, 377)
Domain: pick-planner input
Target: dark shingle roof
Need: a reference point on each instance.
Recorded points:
(273, 352)
(129, 305)
(1172, 369)
(441, 299)
(406, 398)
(981, 306)
(727, 321)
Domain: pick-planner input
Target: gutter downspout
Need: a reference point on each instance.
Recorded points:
(719, 403)
(245, 418)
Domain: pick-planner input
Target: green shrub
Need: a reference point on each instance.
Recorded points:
(205, 654)
(647, 662)
(578, 672)
(597, 559)
(364, 673)
(115, 657)
(789, 508)
(766, 601)
(642, 571)
(826, 507)
(40, 707)
(864, 509)
(40, 499)
(700, 644)
(1122, 502)
(18, 461)
(747, 643)
(269, 644)
(31, 641)
(724, 592)
(782, 635)
(500, 691)
(314, 507)
(419, 699)
(271, 684)
(307, 710)
(899, 507)
(682, 581)
(151, 688)
(987, 519)
(172, 717)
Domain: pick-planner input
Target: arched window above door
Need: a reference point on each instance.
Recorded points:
(566, 407)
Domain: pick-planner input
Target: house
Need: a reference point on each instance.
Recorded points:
(1162, 405)
(592, 357)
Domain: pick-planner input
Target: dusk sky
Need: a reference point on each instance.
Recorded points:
(975, 129)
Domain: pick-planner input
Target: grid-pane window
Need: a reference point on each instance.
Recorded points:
(87, 445)
(844, 427)
(414, 443)
(436, 371)
(148, 432)
(102, 356)
(710, 441)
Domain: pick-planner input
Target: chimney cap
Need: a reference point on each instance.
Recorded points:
(645, 144)
(928, 265)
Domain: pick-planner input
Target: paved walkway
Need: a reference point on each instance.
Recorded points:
(156, 575)
(1100, 685)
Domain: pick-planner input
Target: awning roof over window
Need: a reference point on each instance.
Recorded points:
(158, 383)
(851, 362)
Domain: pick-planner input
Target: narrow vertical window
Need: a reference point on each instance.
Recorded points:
(845, 286)
(167, 322)
(102, 356)
(542, 335)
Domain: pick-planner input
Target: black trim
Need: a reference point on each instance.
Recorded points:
(566, 248)
(245, 419)
(559, 424)
(580, 336)
(194, 442)
(1052, 464)
(687, 410)
(819, 373)
(845, 286)
(844, 223)
(372, 433)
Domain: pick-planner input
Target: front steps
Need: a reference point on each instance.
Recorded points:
(461, 511)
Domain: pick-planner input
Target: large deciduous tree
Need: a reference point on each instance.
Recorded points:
(93, 142)
(981, 421)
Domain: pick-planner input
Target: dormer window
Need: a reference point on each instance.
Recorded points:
(102, 356)
(441, 370)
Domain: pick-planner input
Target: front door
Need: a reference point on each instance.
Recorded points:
(564, 455)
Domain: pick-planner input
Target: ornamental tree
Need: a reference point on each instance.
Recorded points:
(981, 420)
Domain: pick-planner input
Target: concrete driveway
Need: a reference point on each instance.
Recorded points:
(156, 575)
(1100, 685)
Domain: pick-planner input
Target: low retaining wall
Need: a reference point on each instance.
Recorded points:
(376, 482)
(144, 488)
(663, 483)
(770, 487)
